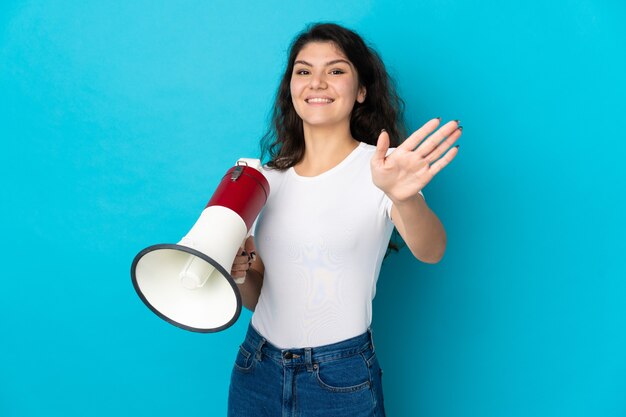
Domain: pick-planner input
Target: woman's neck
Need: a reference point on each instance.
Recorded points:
(325, 147)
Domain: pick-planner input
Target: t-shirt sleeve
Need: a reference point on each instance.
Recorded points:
(268, 174)
(387, 204)
(253, 228)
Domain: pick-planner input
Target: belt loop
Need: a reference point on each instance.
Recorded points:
(258, 349)
(369, 330)
(307, 359)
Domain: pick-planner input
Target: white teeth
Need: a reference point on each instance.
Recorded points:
(319, 100)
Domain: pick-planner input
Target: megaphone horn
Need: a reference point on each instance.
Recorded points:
(188, 284)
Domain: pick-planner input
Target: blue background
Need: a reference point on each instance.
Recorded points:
(117, 120)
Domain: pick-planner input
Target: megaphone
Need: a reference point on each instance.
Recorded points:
(188, 284)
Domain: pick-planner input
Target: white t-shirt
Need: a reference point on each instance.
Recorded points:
(322, 240)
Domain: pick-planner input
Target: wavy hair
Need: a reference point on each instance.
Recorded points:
(382, 108)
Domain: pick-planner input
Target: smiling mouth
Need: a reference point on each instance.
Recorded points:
(319, 100)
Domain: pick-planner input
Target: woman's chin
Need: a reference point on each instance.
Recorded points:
(322, 123)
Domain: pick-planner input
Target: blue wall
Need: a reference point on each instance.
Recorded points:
(117, 121)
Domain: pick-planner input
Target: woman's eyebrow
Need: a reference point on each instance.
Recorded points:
(333, 62)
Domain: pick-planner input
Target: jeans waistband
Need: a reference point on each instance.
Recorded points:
(307, 356)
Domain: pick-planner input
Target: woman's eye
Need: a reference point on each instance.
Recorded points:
(336, 72)
(302, 72)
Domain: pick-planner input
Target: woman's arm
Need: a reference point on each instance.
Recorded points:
(406, 171)
(249, 265)
(420, 228)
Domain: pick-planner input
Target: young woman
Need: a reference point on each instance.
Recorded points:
(337, 191)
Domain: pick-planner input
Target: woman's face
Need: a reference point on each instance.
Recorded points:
(324, 85)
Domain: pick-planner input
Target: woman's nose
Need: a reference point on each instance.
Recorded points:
(317, 81)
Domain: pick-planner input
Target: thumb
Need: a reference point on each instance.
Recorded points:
(382, 146)
(249, 245)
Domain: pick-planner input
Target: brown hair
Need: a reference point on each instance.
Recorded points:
(382, 108)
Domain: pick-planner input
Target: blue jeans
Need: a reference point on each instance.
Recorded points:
(338, 380)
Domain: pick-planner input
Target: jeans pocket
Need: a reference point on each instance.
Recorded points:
(244, 361)
(343, 375)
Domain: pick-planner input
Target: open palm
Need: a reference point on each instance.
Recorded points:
(409, 167)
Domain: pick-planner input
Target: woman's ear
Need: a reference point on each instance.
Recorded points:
(360, 97)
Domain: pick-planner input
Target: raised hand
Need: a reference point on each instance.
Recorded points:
(409, 167)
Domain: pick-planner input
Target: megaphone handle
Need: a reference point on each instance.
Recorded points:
(243, 245)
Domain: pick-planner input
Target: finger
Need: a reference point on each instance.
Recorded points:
(238, 264)
(249, 245)
(435, 139)
(240, 267)
(416, 137)
(445, 160)
(444, 146)
(382, 146)
(241, 259)
(238, 274)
